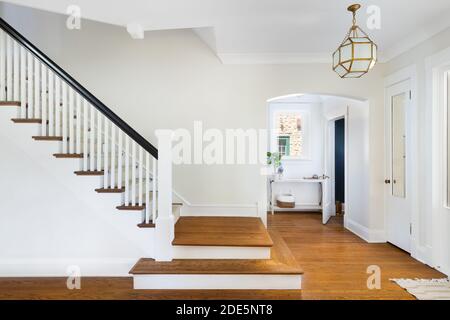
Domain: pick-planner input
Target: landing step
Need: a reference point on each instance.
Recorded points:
(215, 274)
(221, 231)
(10, 103)
(213, 266)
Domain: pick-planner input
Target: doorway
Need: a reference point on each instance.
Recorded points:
(339, 166)
(398, 190)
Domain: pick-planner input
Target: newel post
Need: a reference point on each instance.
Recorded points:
(165, 229)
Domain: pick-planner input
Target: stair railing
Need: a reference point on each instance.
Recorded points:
(87, 129)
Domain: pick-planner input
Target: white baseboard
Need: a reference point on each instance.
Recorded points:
(62, 267)
(220, 252)
(371, 236)
(219, 210)
(214, 281)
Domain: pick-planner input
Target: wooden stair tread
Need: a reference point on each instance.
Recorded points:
(17, 120)
(47, 138)
(110, 190)
(68, 155)
(221, 231)
(10, 103)
(146, 225)
(213, 266)
(89, 173)
(131, 208)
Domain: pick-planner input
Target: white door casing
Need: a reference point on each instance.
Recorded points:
(398, 166)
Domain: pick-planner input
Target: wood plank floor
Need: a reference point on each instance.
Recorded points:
(333, 259)
(221, 231)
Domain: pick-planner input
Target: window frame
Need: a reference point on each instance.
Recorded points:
(303, 111)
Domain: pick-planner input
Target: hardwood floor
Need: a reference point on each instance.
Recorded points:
(333, 259)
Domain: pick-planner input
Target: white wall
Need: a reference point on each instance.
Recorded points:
(171, 78)
(51, 219)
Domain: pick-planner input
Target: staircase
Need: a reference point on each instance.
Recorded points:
(189, 252)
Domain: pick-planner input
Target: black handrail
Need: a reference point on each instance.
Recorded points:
(80, 89)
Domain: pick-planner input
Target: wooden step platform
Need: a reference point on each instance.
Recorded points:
(280, 272)
(221, 231)
(213, 266)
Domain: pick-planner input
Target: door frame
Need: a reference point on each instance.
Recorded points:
(330, 143)
(406, 74)
(436, 67)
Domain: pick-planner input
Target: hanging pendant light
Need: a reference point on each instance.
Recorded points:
(357, 54)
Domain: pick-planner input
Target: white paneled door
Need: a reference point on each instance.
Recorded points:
(398, 185)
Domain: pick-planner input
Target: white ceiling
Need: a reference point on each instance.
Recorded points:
(269, 31)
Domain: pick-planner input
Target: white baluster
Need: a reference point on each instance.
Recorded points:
(141, 175)
(9, 68)
(78, 127)
(71, 122)
(2, 65)
(51, 104)
(23, 83)
(133, 173)
(154, 188)
(64, 119)
(120, 160)
(147, 188)
(127, 170)
(16, 72)
(37, 89)
(85, 135)
(92, 166)
(113, 155)
(44, 100)
(99, 141)
(30, 98)
(58, 106)
(106, 155)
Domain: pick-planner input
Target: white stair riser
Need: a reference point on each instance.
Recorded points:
(218, 252)
(214, 281)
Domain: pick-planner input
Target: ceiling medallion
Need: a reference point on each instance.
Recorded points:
(357, 54)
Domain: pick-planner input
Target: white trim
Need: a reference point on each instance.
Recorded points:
(220, 210)
(218, 281)
(371, 236)
(436, 65)
(220, 252)
(114, 267)
(409, 73)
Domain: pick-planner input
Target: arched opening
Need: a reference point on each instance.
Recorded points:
(318, 145)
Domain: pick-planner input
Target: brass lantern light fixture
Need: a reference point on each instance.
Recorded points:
(357, 54)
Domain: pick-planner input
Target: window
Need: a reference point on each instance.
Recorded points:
(284, 145)
(288, 133)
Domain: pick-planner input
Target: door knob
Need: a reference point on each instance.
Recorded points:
(387, 181)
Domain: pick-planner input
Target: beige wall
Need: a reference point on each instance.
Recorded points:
(171, 79)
